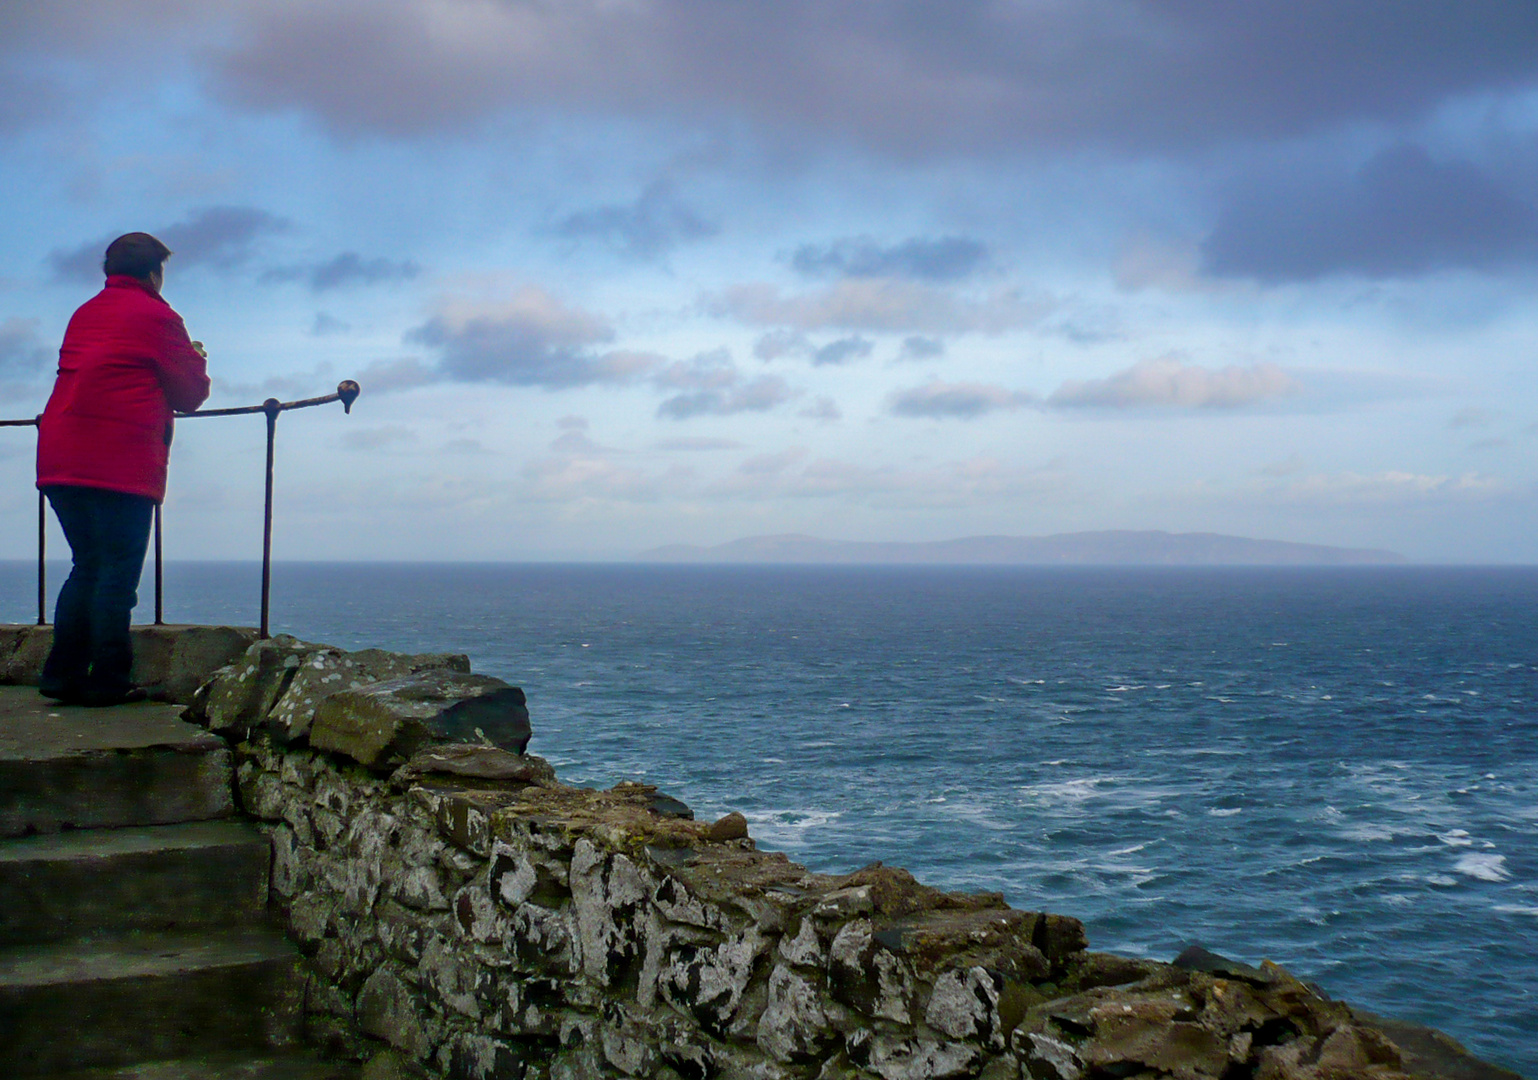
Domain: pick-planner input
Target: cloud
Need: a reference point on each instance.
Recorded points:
(1166, 382)
(654, 224)
(221, 237)
(402, 374)
(1402, 214)
(772, 464)
(946, 258)
(824, 409)
(348, 268)
(319, 380)
(569, 479)
(1471, 417)
(22, 351)
(877, 305)
(781, 343)
(842, 351)
(378, 438)
(915, 347)
(530, 340)
(1288, 466)
(714, 387)
(326, 325)
(778, 343)
(1390, 486)
(696, 443)
(576, 441)
(753, 395)
(965, 401)
(912, 78)
(969, 482)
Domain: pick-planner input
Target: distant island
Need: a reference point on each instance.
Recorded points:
(1119, 547)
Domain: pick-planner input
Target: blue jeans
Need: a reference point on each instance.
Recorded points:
(108, 532)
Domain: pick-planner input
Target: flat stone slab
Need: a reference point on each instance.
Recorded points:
(65, 766)
(35, 728)
(117, 1001)
(160, 877)
(287, 1067)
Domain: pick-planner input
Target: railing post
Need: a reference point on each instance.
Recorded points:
(42, 571)
(271, 408)
(347, 392)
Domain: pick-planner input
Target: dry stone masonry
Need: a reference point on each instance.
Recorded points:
(464, 914)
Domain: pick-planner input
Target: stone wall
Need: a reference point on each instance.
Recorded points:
(463, 914)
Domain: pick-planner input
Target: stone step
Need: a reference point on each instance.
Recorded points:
(121, 1000)
(67, 767)
(55, 886)
(284, 1067)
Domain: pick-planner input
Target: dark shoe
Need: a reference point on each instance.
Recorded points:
(67, 694)
(101, 699)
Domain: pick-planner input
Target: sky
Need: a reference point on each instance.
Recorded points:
(615, 274)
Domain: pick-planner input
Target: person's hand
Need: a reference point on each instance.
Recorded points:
(198, 346)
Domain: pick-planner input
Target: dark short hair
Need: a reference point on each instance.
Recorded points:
(137, 254)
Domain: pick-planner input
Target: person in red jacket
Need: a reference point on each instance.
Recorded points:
(125, 367)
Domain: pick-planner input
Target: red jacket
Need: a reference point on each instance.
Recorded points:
(125, 365)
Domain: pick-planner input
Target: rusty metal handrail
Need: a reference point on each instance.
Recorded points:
(347, 392)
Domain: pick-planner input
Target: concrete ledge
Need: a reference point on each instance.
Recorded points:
(71, 767)
(171, 661)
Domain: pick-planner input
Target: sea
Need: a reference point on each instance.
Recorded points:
(1335, 769)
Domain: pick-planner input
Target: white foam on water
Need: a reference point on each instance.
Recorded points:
(1483, 867)
(1368, 834)
(788, 826)
(1066, 791)
(1455, 838)
(1442, 880)
(1515, 909)
(1133, 848)
(1221, 811)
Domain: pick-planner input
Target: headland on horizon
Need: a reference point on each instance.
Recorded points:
(1117, 547)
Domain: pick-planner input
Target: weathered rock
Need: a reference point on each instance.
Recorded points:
(999, 940)
(387, 1010)
(239, 696)
(325, 672)
(795, 1024)
(383, 724)
(731, 827)
(1196, 958)
(1155, 1034)
(171, 662)
(1044, 1057)
(893, 1057)
(22, 652)
(476, 761)
(965, 1005)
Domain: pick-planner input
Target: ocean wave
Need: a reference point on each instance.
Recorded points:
(1483, 867)
(788, 826)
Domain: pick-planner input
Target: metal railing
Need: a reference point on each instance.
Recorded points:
(347, 392)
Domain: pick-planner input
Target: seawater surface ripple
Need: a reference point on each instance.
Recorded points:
(1334, 769)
